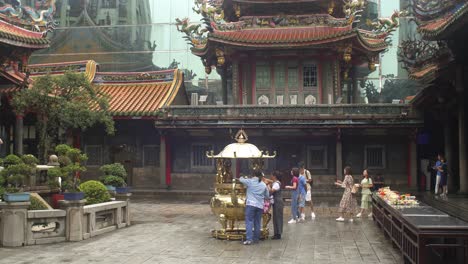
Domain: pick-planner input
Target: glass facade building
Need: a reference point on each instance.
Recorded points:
(126, 35)
(141, 35)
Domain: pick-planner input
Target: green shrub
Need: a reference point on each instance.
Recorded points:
(113, 181)
(30, 160)
(115, 169)
(75, 155)
(1, 162)
(52, 175)
(64, 161)
(15, 176)
(95, 192)
(11, 160)
(62, 149)
(36, 204)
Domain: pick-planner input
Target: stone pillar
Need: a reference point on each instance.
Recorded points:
(74, 219)
(125, 197)
(413, 162)
(448, 154)
(162, 160)
(461, 130)
(462, 149)
(339, 156)
(14, 223)
(19, 131)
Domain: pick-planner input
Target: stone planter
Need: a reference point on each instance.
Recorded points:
(56, 198)
(16, 197)
(110, 188)
(73, 196)
(122, 190)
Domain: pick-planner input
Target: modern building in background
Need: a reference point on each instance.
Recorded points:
(284, 95)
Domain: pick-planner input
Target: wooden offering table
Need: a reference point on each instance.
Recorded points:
(424, 234)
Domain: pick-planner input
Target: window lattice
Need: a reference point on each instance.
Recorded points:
(375, 157)
(310, 75)
(199, 158)
(151, 155)
(263, 77)
(94, 153)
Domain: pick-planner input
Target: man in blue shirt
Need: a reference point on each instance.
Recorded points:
(302, 190)
(257, 193)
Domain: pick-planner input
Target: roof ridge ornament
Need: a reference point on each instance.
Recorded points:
(241, 136)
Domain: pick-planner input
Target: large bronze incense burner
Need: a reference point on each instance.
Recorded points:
(228, 203)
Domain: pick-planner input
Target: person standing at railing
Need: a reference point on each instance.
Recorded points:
(438, 169)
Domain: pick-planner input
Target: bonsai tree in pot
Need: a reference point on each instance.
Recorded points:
(14, 175)
(115, 175)
(71, 160)
(112, 182)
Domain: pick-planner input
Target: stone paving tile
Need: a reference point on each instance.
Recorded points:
(180, 233)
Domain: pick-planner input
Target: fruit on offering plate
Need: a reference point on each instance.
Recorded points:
(394, 198)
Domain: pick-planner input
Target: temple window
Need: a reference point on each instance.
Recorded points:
(374, 157)
(293, 76)
(94, 153)
(263, 76)
(199, 158)
(317, 157)
(310, 75)
(29, 132)
(280, 76)
(151, 155)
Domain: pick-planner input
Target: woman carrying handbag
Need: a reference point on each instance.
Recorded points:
(348, 202)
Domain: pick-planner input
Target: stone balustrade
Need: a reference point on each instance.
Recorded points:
(45, 226)
(105, 217)
(292, 111)
(74, 222)
(289, 115)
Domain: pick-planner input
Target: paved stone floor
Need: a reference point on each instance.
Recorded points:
(179, 233)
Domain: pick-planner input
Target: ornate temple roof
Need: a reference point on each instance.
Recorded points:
(17, 36)
(24, 26)
(445, 23)
(317, 24)
(131, 94)
(297, 37)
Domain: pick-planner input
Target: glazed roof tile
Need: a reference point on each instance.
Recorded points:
(295, 36)
(432, 29)
(129, 93)
(17, 36)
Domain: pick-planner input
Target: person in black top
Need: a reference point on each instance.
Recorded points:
(443, 176)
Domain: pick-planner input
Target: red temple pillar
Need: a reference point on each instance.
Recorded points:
(412, 163)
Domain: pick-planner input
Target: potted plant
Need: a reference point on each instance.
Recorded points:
(15, 174)
(112, 182)
(115, 175)
(54, 176)
(70, 160)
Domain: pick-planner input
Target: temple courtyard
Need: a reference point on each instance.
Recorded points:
(164, 232)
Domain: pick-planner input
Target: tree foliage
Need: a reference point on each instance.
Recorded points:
(63, 103)
(392, 89)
